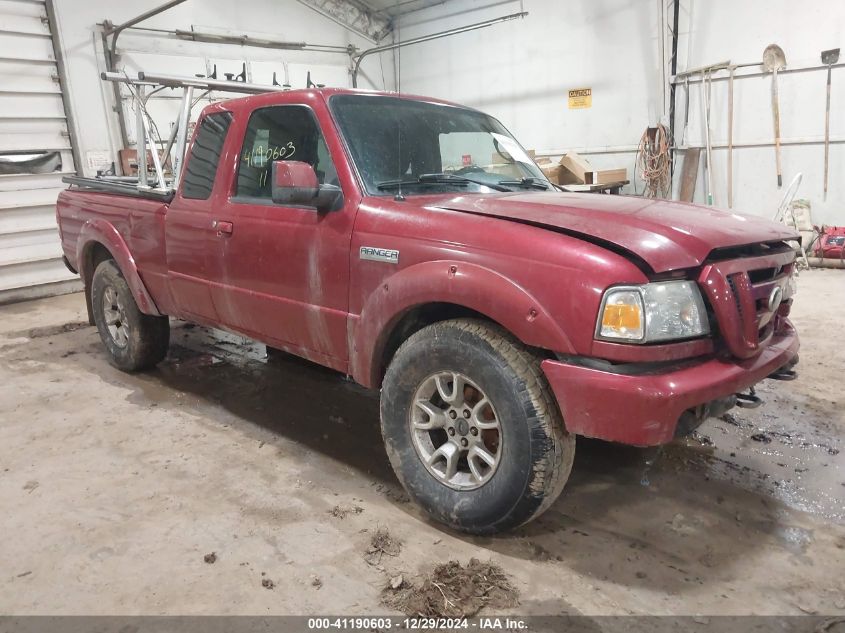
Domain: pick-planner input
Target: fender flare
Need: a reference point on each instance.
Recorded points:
(99, 231)
(454, 282)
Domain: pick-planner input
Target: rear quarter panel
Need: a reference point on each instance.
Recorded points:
(139, 222)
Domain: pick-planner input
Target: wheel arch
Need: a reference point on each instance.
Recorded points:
(100, 240)
(431, 292)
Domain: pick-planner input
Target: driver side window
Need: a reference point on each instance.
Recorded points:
(281, 133)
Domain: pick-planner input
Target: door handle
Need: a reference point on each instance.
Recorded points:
(223, 227)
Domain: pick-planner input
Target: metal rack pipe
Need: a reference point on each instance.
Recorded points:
(182, 135)
(683, 78)
(428, 38)
(224, 85)
(115, 31)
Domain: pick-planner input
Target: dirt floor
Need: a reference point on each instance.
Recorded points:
(221, 483)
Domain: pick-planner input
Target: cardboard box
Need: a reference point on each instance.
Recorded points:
(551, 171)
(129, 161)
(575, 169)
(572, 169)
(605, 176)
(578, 170)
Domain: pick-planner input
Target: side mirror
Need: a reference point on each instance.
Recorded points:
(295, 183)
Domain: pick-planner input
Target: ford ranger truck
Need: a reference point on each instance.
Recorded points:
(413, 245)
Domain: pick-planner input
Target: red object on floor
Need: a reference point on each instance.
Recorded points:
(831, 244)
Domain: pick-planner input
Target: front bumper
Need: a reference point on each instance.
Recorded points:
(644, 409)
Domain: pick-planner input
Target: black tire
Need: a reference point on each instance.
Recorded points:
(535, 452)
(144, 343)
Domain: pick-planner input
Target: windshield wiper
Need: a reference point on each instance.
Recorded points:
(454, 178)
(439, 179)
(395, 184)
(531, 181)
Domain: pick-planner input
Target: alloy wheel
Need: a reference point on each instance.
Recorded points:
(455, 430)
(114, 315)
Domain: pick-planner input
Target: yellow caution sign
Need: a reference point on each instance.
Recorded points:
(580, 98)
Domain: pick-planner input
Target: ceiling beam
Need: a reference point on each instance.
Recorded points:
(353, 15)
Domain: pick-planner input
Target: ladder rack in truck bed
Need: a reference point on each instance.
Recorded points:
(157, 186)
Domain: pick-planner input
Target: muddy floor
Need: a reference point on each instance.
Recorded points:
(223, 483)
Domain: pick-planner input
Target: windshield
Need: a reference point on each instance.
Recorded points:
(428, 147)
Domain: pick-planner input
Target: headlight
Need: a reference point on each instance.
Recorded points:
(660, 311)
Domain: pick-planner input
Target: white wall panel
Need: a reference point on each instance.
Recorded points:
(26, 47)
(31, 106)
(27, 77)
(23, 198)
(12, 8)
(32, 120)
(19, 182)
(22, 134)
(28, 242)
(23, 18)
(18, 248)
(28, 219)
(34, 277)
(520, 72)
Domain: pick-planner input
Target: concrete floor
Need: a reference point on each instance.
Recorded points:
(114, 487)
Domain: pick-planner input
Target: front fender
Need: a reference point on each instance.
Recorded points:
(459, 283)
(98, 231)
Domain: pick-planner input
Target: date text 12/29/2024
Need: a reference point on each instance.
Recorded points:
(417, 624)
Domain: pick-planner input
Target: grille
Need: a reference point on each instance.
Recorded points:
(735, 292)
(764, 274)
(738, 291)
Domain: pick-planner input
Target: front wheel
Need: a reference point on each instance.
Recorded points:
(472, 429)
(133, 340)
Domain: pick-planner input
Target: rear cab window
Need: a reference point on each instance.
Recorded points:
(201, 169)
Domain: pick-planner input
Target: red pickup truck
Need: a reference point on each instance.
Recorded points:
(415, 246)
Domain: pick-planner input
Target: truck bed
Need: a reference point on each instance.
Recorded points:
(130, 226)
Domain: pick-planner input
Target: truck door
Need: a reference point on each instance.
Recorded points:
(283, 271)
(190, 234)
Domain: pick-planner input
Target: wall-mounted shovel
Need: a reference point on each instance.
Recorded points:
(828, 58)
(731, 70)
(773, 61)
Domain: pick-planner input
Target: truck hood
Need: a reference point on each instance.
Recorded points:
(666, 235)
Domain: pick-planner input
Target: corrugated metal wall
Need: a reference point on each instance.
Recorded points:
(32, 122)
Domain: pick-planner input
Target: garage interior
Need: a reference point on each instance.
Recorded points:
(233, 481)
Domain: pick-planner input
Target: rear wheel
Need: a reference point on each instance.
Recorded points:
(133, 340)
(471, 427)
